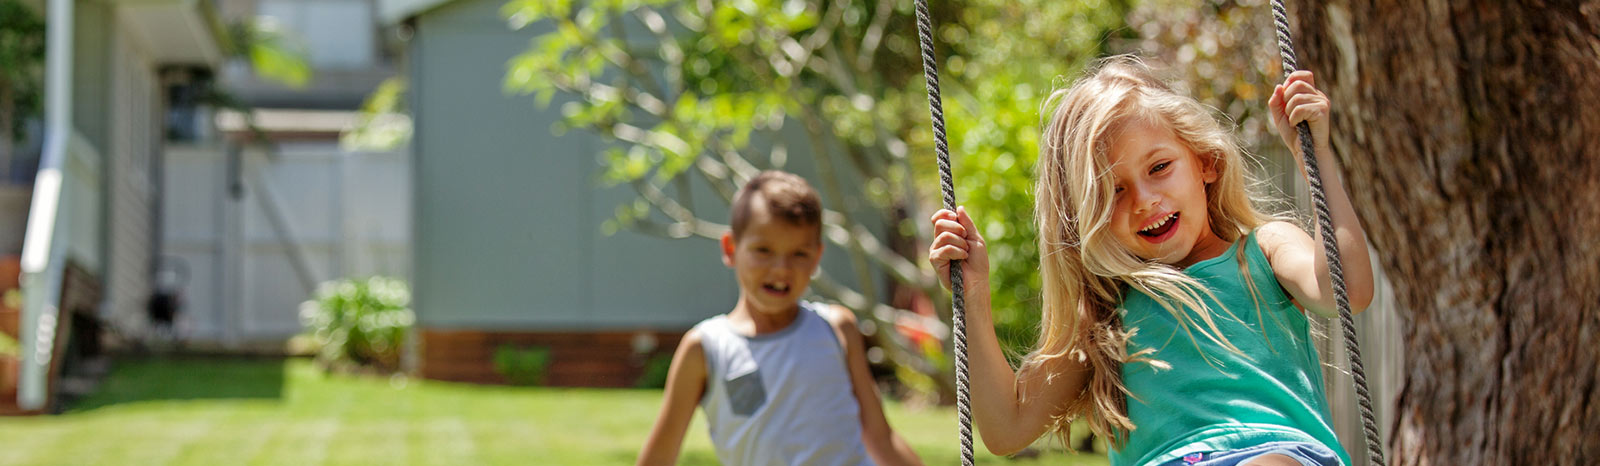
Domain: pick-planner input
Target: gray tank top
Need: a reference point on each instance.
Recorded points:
(782, 398)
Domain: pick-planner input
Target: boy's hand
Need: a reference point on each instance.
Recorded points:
(955, 238)
(1297, 100)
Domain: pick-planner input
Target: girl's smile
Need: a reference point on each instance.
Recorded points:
(1162, 229)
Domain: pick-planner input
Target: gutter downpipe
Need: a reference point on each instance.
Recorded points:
(42, 247)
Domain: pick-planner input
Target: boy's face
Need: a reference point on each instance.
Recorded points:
(773, 260)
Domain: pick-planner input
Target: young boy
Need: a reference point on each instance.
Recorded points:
(782, 381)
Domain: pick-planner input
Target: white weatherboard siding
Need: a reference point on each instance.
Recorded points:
(135, 134)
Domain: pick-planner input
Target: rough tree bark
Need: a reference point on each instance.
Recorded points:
(1470, 135)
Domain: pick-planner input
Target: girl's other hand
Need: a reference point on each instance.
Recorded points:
(956, 238)
(1297, 100)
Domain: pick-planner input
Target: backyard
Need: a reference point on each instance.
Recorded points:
(277, 411)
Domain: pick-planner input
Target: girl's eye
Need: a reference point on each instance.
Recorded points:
(1118, 190)
(1159, 167)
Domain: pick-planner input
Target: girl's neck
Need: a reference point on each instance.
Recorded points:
(1207, 246)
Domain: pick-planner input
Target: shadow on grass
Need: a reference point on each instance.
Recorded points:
(176, 378)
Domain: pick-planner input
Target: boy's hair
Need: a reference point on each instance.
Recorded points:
(1085, 270)
(787, 197)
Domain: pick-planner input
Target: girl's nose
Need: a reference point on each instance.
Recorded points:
(1144, 200)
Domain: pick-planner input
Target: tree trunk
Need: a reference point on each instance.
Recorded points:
(1470, 135)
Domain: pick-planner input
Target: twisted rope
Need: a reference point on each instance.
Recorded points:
(1331, 248)
(930, 71)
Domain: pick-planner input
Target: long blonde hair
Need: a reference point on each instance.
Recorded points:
(1085, 270)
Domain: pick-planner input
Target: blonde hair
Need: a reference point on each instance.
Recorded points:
(1085, 270)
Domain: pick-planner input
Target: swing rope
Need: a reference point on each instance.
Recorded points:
(1331, 249)
(958, 312)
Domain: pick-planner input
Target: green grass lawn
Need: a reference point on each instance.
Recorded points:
(271, 411)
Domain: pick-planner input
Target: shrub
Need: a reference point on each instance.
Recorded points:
(522, 365)
(359, 324)
(9, 346)
(655, 371)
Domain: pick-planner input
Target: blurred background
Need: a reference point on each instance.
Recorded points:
(473, 231)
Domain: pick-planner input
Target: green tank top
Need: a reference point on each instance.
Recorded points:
(1213, 399)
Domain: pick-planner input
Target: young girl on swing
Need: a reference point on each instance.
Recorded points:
(1174, 310)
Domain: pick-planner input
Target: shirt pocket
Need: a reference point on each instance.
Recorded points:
(746, 393)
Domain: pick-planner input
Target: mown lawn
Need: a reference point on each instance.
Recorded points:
(273, 411)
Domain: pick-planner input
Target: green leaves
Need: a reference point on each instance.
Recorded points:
(274, 53)
(22, 42)
(692, 88)
(22, 48)
(1004, 58)
(359, 323)
(382, 124)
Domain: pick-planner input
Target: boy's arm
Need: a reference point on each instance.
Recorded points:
(686, 382)
(883, 444)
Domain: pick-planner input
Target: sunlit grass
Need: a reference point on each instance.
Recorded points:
(270, 411)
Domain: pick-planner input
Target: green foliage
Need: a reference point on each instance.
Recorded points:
(382, 124)
(522, 365)
(655, 372)
(359, 324)
(710, 100)
(9, 346)
(274, 53)
(1004, 58)
(684, 88)
(706, 93)
(22, 48)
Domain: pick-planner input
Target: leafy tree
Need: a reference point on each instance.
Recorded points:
(21, 74)
(1005, 58)
(701, 92)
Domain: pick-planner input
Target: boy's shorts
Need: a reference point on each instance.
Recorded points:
(1308, 454)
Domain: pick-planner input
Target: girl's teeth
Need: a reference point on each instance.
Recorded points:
(1159, 224)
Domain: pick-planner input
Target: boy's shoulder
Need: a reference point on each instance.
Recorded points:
(834, 313)
(838, 317)
(841, 321)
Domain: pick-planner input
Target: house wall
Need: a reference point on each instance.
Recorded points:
(508, 216)
(343, 31)
(91, 77)
(134, 138)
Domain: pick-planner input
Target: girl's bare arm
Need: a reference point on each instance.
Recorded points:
(1011, 410)
(1299, 260)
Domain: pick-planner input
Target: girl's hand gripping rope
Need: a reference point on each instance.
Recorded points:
(1297, 100)
(956, 238)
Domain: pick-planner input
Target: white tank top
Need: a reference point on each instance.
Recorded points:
(782, 398)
